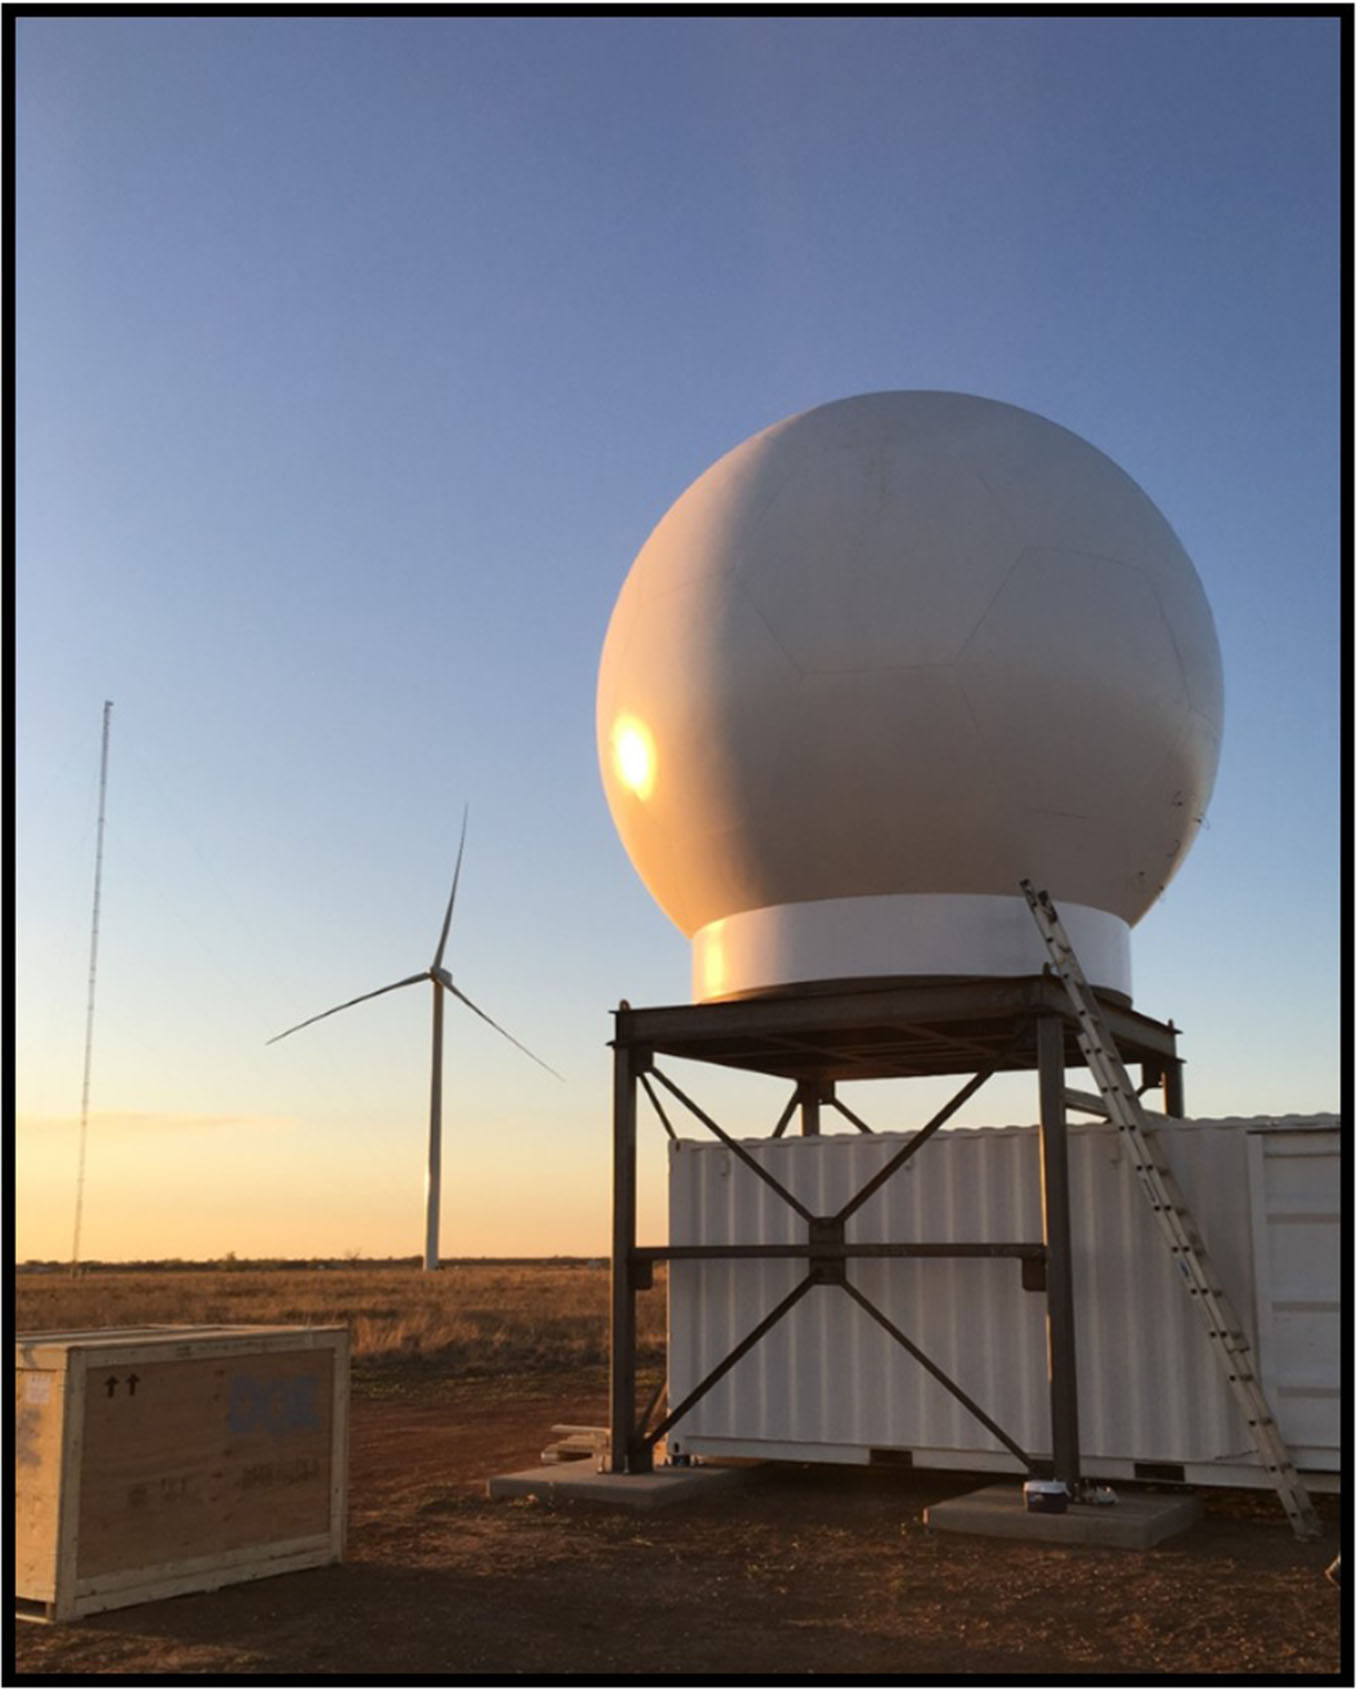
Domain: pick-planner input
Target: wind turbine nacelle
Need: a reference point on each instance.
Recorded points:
(882, 662)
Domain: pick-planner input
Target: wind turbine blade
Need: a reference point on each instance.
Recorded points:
(456, 875)
(456, 991)
(414, 979)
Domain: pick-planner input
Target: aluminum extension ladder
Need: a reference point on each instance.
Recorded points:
(1165, 1198)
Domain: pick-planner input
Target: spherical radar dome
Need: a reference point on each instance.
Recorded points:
(882, 662)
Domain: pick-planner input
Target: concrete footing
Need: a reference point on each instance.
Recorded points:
(575, 1480)
(1134, 1520)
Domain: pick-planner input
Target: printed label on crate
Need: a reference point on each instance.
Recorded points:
(271, 1472)
(273, 1405)
(170, 1491)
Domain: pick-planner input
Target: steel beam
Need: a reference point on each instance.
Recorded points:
(730, 1032)
(853, 1251)
(814, 1013)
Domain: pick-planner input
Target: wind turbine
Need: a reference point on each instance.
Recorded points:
(441, 981)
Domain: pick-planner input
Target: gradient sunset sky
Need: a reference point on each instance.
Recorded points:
(356, 359)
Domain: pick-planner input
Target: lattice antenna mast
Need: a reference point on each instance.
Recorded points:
(89, 1005)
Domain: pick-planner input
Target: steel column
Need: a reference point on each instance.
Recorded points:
(809, 1093)
(1055, 1220)
(1174, 1101)
(629, 1452)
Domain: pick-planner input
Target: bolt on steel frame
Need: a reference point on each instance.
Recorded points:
(890, 1029)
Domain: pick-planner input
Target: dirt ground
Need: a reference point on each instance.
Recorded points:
(821, 1570)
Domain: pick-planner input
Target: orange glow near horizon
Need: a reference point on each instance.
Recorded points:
(633, 755)
(162, 1186)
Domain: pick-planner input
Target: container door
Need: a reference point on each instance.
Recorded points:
(1294, 1177)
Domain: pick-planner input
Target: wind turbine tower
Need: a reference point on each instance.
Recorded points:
(440, 981)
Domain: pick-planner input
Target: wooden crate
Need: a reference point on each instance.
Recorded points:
(165, 1459)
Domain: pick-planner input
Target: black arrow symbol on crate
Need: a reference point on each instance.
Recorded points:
(132, 1382)
(110, 1385)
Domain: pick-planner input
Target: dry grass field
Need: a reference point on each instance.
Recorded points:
(469, 1320)
(828, 1571)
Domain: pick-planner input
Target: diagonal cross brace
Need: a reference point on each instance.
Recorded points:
(784, 1307)
(826, 1249)
(915, 1143)
(966, 1402)
(734, 1147)
(872, 1185)
(656, 1104)
(784, 1119)
(846, 1112)
(735, 1355)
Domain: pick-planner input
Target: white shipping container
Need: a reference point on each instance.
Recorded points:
(827, 1383)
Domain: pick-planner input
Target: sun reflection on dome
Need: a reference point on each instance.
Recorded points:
(633, 755)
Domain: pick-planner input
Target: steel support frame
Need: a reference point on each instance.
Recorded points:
(1045, 1265)
(632, 1442)
(826, 1252)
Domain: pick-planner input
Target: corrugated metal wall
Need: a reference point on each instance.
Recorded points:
(828, 1376)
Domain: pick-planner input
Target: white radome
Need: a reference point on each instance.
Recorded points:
(885, 660)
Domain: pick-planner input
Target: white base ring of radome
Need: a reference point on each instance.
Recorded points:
(900, 936)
